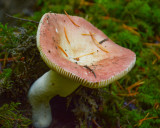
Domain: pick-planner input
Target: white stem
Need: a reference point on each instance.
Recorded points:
(41, 92)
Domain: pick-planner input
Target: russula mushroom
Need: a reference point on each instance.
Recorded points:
(77, 54)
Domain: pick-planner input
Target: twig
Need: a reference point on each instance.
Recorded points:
(62, 50)
(103, 41)
(156, 105)
(128, 95)
(152, 44)
(131, 29)
(138, 83)
(98, 126)
(77, 58)
(120, 86)
(85, 34)
(71, 19)
(118, 123)
(156, 54)
(90, 70)
(128, 103)
(11, 59)
(97, 43)
(21, 19)
(66, 35)
(145, 118)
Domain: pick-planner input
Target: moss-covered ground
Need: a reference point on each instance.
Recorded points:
(133, 101)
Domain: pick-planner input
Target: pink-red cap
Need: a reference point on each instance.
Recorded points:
(76, 49)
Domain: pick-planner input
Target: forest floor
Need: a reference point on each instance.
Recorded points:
(133, 101)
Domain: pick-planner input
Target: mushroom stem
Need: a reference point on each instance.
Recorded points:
(41, 92)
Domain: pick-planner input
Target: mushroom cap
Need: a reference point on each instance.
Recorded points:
(70, 50)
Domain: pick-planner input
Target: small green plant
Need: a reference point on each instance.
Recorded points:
(11, 117)
(134, 24)
(4, 80)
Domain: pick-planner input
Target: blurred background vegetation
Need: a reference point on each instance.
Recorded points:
(133, 101)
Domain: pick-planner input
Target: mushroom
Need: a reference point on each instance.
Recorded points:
(77, 54)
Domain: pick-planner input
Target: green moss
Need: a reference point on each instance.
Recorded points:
(105, 106)
(10, 116)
